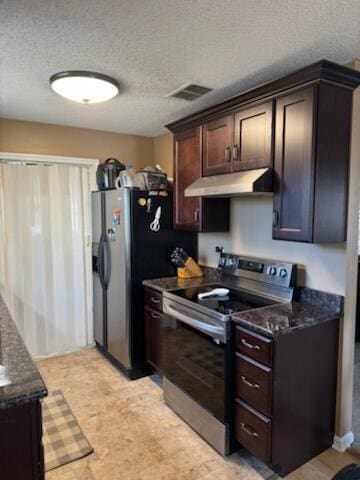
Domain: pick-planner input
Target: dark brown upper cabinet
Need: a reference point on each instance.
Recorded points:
(194, 213)
(294, 165)
(311, 164)
(217, 146)
(187, 169)
(253, 136)
(301, 125)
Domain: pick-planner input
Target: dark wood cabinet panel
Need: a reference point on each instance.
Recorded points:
(253, 137)
(254, 345)
(187, 169)
(21, 442)
(253, 383)
(294, 166)
(153, 299)
(304, 395)
(252, 430)
(152, 320)
(194, 213)
(217, 143)
(332, 163)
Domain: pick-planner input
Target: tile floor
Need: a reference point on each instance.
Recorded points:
(137, 437)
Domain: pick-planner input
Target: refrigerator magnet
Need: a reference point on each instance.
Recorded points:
(116, 216)
(142, 202)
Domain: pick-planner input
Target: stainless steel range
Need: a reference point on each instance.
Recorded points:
(197, 340)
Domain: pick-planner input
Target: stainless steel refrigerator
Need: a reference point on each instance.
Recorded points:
(127, 248)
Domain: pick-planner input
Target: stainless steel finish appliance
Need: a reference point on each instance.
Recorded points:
(108, 172)
(197, 343)
(125, 252)
(249, 182)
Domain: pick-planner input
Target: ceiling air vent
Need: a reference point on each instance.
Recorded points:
(189, 92)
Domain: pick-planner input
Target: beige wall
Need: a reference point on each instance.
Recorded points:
(346, 357)
(321, 266)
(32, 137)
(163, 152)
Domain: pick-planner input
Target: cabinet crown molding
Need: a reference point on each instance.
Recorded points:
(321, 71)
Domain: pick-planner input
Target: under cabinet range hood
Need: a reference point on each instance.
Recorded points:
(259, 181)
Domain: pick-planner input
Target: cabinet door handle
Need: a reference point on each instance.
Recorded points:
(249, 345)
(196, 215)
(275, 218)
(235, 153)
(248, 383)
(155, 300)
(250, 431)
(227, 155)
(155, 315)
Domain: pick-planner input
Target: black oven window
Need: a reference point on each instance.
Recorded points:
(196, 364)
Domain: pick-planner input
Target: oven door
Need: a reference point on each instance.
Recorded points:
(194, 356)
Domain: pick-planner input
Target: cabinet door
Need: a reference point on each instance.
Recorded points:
(253, 137)
(217, 142)
(294, 167)
(153, 338)
(187, 169)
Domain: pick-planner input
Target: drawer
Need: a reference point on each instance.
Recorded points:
(153, 299)
(254, 345)
(253, 383)
(252, 430)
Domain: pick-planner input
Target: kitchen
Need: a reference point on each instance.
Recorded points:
(258, 208)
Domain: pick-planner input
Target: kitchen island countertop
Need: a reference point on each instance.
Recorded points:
(20, 380)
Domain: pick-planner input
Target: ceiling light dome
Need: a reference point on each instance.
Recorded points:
(84, 87)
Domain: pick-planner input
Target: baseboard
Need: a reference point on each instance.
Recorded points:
(65, 352)
(343, 443)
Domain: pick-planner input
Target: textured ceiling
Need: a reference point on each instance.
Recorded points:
(154, 46)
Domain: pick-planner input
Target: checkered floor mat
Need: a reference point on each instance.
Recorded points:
(63, 438)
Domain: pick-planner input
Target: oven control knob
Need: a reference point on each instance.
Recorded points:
(271, 270)
(283, 273)
(231, 262)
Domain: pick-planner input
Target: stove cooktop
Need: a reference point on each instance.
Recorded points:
(236, 301)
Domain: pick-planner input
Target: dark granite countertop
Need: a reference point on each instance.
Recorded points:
(20, 380)
(211, 275)
(310, 307)
(284, 318)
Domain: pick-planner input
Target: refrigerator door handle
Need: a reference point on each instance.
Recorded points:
(107, 250)
(101, 260)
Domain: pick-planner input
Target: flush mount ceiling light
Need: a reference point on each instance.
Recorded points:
(84, 87)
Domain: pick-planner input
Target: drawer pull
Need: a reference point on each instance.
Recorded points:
(155, 315)
(235, 153)
(249, 345)
(248, 430)
(248, 383)
(155, 300)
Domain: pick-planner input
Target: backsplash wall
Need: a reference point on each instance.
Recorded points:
(320, 266)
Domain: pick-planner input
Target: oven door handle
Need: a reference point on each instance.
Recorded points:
(211, 330)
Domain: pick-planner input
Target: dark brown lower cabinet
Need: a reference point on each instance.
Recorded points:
(153, 338)
(21, 450)
(284, 413)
